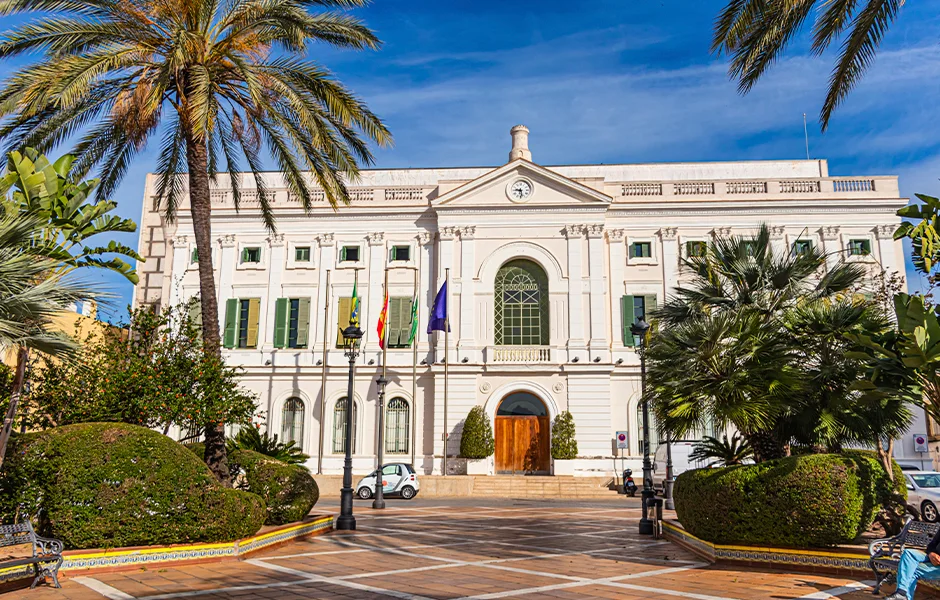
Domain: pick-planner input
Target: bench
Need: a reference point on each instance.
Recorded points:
(886, 553)
(46, 557)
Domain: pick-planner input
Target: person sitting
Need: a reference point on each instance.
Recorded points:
(915, 566)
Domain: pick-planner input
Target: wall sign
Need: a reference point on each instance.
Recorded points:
(920, 442)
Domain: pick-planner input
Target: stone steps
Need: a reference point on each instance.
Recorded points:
(494, 486)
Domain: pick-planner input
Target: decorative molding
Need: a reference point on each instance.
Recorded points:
(227, 240)
(559, 387)
(615, 235)
(669, 233)
(178, 241)
(777, 232)
(574, 231)
(326, 239)
(467, 233)
(485, 387)
(721, 232)
(425, 238)
(276, 239)
(448, 233)
(376, 238)
(830, 232)
(595, 231)
(885, 232)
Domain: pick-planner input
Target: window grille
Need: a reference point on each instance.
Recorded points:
(396, 426)
(292, 422)
(339, 427)
(521, 312)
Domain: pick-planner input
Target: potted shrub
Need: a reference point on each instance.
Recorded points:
(564, 444)
(476, 442)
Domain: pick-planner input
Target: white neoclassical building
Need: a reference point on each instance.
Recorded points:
(548, 267)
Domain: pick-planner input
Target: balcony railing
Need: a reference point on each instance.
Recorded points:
(521, 354)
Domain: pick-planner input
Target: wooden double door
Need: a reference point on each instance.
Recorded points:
(523, 445)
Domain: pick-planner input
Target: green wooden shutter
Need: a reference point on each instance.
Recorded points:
(303, 322)
(254, 310)
(342, 254)
(405, 323)
(281, 319)
(342, 319)
(230, 338)
(626, 314)
(650, 306)
(399, 309)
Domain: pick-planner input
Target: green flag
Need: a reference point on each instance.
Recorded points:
(414, 321)
(354, 306)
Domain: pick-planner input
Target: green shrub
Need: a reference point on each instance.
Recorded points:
(477, 441)
(288, 490)
(800, 501)
(564, 444)
(96, 485)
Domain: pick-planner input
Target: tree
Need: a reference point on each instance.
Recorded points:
(216, 81)
(250, 438)
(756, 32)
(564, 441)
(476, 440)
(725, 453)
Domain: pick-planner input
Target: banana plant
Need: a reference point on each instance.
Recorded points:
(33, 185)
(924, 234)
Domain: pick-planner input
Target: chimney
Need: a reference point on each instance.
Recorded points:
(520, 143)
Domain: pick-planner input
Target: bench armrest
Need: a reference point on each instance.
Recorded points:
(892, 546)
(49, 545)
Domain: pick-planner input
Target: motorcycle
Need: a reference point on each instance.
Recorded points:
(629, 486)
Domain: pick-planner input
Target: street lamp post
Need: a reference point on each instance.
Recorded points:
(670, 480)
(379, 501)
(639, 331)
(352, 335)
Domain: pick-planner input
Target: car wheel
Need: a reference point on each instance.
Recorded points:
(364, 493)
(407, 492)
(929, 511)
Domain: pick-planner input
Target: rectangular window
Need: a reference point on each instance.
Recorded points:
(241, 322)
(860, 247)
(302, 254)
(251, 254)
(400, 253)
(399, 322)
(291, 322)
(695, 249)
(802, 247)
(641, 250)
(194, 256)
(349, 254)
(342, 319)
(633, 309)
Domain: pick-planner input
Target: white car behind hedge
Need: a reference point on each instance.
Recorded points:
(923, 493)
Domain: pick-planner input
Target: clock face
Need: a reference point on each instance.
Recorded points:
(520, 190)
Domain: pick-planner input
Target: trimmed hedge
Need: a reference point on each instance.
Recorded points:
(288, 490)
(800, 501)
(564, 441)
(100, 485)
(476, 439)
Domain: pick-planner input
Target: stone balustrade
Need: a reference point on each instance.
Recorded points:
(521, 354)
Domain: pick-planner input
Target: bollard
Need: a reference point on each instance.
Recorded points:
(658, 521)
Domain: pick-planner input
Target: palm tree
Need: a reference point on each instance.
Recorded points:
(755, 33)
(725, 452)
(217, 81)
(249, 438)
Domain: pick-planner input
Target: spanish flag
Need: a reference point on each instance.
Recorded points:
(383, 323)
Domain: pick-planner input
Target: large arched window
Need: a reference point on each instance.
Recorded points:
(396, 426)
(292, 422)
(521, 315)
(339, 427)
(654, 432)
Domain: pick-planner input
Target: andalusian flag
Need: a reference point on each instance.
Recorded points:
(414, 320)
(383, 323)
(354, 306)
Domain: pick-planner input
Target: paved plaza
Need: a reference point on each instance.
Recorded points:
(439, 549)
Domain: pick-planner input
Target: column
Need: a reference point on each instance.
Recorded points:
(180, 262)
(832, 245)
(226, 272)
(669, 237)
(597, 279)
(376, 295)
(618, 261)
(778, 240)
(276, 261)
(466, 338)
(445, 260)
(326, 261)
(426, 290)
(576, 339)
(886, 254)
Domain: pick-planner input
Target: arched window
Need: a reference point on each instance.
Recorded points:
(521, 304)
(396, 426)
(339, 427)
(292, 422)
(654, 435)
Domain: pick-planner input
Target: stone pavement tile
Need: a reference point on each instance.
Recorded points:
(746, 584)
(478, 552)
(465, 581)
(579, 565)
(339, 565)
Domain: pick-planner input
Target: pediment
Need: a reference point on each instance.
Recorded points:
(548, 188)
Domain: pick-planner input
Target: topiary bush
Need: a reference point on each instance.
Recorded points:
(800, 501)
(564, 444)
(288, 490)
(477, 441)
(97, 485)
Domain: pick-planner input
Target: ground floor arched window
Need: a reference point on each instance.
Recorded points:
(397, 420)
(339, 427)
(292, 422)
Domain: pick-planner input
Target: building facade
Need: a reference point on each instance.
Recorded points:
(547, 268)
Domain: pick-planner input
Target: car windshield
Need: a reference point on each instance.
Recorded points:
(927, 481)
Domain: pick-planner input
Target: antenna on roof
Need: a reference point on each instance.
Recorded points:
(806, 135)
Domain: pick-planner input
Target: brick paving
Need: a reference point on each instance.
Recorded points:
(448, 550)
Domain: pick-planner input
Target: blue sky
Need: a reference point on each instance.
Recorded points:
(615, 81)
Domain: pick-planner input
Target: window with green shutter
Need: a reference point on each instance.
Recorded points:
(641, 250)
(302, 254)
(349, 254)
(861, 247)
(696, 249)
(632, 310)
(291, 322)
(802, 247)
(241, 322)
(400, 254)
(399, 322)
(251, 254)
(342, 319)
(194, 256)
(230, 336)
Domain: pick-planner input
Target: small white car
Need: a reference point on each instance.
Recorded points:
(398, 479)
(923, 493)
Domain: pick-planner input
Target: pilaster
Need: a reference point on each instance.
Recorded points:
(180, 246)
(778, 239)
(669, 237)
(832, 245)
(618, 260)
(326, 262)
(276, 262)
(576, 315)
(599, 343)
(226, 271)
(466, 344)
(425, 247)
(886, 243)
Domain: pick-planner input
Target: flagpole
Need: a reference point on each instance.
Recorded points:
(326, 335)
(379, 501)
(446, 361)
(414, 377)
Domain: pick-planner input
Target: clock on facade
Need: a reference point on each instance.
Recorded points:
(521, 189)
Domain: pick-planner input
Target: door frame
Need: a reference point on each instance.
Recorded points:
(544, 420)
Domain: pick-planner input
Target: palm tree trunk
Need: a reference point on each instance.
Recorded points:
(201, 209)
(19, 380)
(766, 445)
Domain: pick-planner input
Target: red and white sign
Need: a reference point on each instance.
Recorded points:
(920, 442)
(621, 439)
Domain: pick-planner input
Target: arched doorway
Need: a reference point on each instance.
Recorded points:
(523, 443)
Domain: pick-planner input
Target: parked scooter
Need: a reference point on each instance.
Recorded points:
(629, 486)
